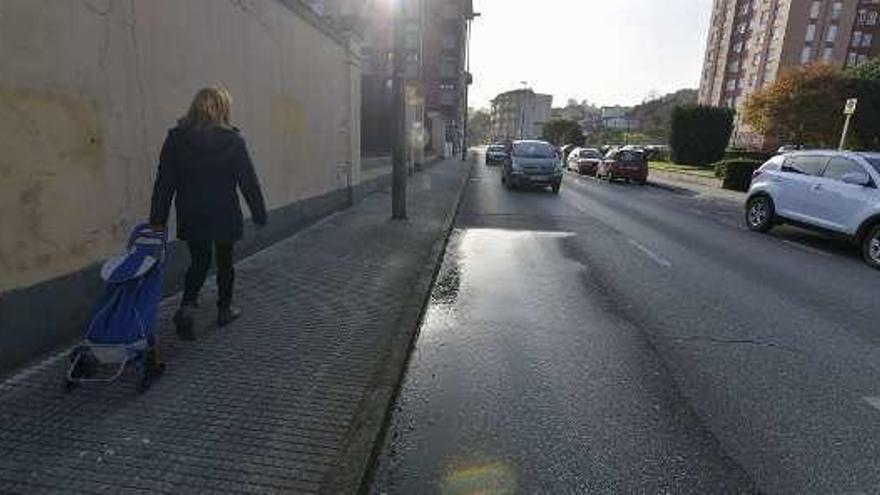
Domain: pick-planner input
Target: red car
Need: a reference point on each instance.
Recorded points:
(628, 164)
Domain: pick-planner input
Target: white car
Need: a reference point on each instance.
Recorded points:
(829, 191)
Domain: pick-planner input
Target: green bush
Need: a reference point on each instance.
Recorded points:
(761, 156)
(700, 134)
(736, 174)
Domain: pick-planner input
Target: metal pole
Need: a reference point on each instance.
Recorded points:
(398, 117)
(845, 131)
(467, 76)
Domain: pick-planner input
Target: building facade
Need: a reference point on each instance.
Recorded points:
(434, 50)
(617, 119)
(751, 42)
(520, 114)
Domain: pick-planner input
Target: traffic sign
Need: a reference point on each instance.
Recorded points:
(850, 107)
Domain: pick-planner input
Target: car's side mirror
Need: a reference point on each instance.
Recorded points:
(856, 179)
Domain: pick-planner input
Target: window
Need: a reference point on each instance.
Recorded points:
(448, 67)
(836, 10)
(867, 17)
(838, 167)
(806, 54)
(856, 38)
(875, 162)
(814, 9)
(867, 39)
(827, 53)
(533, 149)
(807, 165)
(738, 46)
(811, 33)
(831, 35)
(851, 59)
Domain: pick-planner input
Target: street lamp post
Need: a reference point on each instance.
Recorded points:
(398, 117)
(469, 17)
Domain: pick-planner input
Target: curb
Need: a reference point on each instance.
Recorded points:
(667, 187)
(353, 471)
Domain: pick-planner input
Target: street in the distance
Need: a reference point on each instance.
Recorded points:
(629, 339)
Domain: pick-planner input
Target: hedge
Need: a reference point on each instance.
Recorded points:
(761, 156)
(700, 134)
(736, 174)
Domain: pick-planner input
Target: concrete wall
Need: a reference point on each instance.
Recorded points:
(88, 89)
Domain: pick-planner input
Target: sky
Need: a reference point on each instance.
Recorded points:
(607, 52)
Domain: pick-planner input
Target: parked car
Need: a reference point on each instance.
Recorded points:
(532, 163)
(496, 153)
(584, 160)
(828, 191)
(565, 151)
(628, 164)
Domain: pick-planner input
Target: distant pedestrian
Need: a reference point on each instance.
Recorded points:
(203, 164)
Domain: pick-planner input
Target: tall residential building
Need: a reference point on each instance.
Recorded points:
(434, 41)
(751, 41)
(520, 114)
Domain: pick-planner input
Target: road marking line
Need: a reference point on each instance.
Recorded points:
(873, 401)
(650, 254)
(804, 248)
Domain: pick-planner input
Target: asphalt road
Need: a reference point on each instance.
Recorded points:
(627, 339)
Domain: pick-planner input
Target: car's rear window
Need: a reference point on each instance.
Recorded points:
(533, 150)
(630, 156)
(496, 148)
(875, 162)
(590, 154)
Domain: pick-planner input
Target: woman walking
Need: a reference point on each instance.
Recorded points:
(203, 164)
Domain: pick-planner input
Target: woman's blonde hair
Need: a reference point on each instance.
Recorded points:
(210, 108)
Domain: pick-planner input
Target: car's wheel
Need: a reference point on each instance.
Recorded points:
(759, 213)
(871, 247)
(556, 187)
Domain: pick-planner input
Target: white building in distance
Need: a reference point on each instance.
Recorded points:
(520, 114)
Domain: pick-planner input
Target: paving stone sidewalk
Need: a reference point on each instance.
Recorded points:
(268, 404)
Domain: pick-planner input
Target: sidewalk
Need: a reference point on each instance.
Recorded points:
(289, 398)
(695, 186)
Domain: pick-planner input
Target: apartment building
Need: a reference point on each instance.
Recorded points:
(434, 50)
(520, 114)
(751, 41)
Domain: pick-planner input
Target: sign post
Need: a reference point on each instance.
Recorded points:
(848, 110)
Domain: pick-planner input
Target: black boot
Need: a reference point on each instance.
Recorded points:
(184, 320)
(225, 316)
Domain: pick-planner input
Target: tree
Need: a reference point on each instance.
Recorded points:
(864, 84)
(803, 106)
(479, 126)
(563, 131)
(700, 134)
(866, 71)
(654, 116)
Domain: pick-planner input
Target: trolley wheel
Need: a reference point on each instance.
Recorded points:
(68, 385)
(143, 384)
(150, 374)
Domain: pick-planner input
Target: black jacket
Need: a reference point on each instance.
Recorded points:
(204, 169)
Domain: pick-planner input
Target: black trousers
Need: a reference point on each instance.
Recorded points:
(200, 263)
